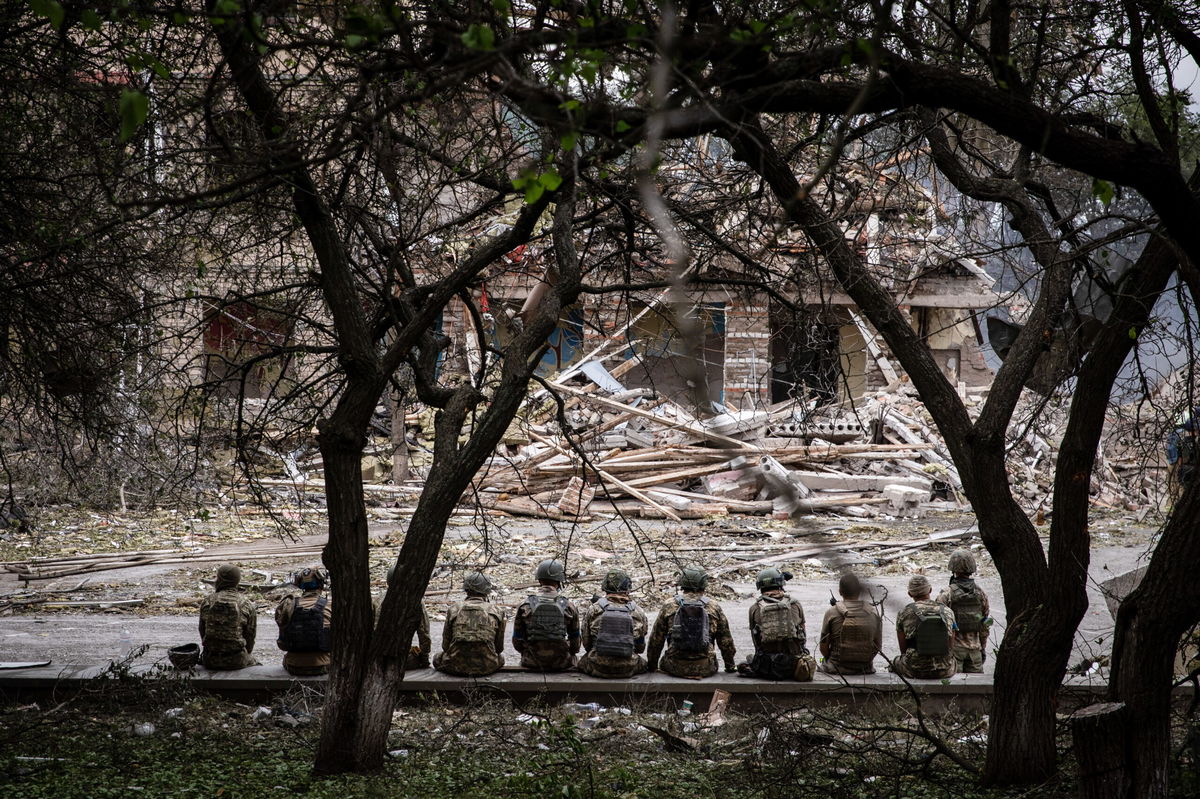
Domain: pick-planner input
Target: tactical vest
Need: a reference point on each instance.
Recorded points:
(306, 631)
(223, 628)
(614, 630)
(932, 636)
(473, 624)
(775, 624)
(547, 618)
(690, 633)
(967, 604)
(855, 644)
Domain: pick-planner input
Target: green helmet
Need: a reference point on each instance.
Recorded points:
(771, 578)
(693, 578)
(228, 576)
(962, 562)
(551, 571)
(616, 582)
(477, 583)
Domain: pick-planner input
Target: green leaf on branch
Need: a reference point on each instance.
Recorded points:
(569, 140)
(623, 126)
(1103, 190)
(134, 107)
(90, 19)
(479, 37)
(50, 9)
(1133, 333)
(536, 184)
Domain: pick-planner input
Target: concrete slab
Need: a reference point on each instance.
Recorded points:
(969, 691)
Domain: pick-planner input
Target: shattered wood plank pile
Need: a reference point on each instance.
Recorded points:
(632, 453)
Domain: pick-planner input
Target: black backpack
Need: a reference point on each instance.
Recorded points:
(615, 636)
(932, 636)
(306, 630)
(547, 618)
(690, 634)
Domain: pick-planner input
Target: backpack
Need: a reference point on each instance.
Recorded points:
(690, 633)
(967, 605)
(774, 666)
(223, 627)
(306, 631)
(932, 636)
(856, 639)
(473, 624)
(547, 618)
(614, 633)
(775, 624)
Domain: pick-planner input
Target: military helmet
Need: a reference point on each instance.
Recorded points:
(616, 582)
(962, 562)
(693, 578)
(551, 571)
(184, 657)
(477, 583)
(310, 579)
(228, 576)
(771, 578)
(918, 585)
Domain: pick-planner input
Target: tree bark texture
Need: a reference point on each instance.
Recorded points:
(1150, 623)
(1099, 738)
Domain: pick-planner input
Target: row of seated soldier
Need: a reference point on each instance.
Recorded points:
(937, 637)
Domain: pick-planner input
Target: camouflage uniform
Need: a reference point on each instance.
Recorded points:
(968, 648)
(303, 664)
(471, 658)
(418, 656)
(678, 664)
(598, 665)
(913, 664)
(546, 655)
(228, 624)
(831, 634)
(794, 646)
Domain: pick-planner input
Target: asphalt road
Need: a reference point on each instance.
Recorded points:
(94, 638)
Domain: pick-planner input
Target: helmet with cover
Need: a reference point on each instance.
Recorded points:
(771, 578)
(551, 571)
(228, 576)
(477, 583)
(962, 562)
(617, 581)
(693, 578)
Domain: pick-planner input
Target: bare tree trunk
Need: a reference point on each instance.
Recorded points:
(1101, 735)
(1149, 625)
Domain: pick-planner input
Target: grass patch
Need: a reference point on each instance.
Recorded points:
(204, 747)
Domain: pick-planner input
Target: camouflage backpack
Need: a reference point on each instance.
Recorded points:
(547, 618)
(223, 627)
(473, 624)
(690, 633)
(856, 640)
(932, 636)
(614, 630)
(775, 621)
(967, 605)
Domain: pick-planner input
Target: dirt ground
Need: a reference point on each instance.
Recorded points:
(507, 549)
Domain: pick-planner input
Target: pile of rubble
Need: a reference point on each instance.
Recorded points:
(611, 450)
